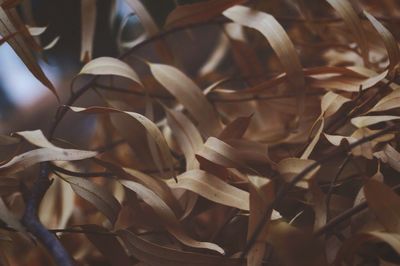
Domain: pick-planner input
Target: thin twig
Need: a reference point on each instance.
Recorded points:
(332, 185)
(344, 216)
(80, 174)
(280, 195)
(211, 97)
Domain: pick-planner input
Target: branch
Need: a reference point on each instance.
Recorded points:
(211, 97)
(344, 216)
(80, 174)
(31, 220)
(332, 185)
(283, 190)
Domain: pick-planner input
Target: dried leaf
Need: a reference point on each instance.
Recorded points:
(167, 215)
(390, 156)
(235, 129)
(279, 41)
(7, 140)
(36, 138)
(384, 203)
(100, 197)
(8, 185)
(391, 101)
(213, 189)
(350, 17)
(365, 149)
(27, 159)
(36, 31)
(186, 134)
(157, 255)
(198, 12)
(261, 195)
(57, 205)
(189, 95)
(365, 121)
(388, 39)
(147, 21)
(20, 43)
(108, 245)
(151, 128)
(88, 18)
(52, 43)
(110, 66)
(290, 167)
(219, 152)
(9, 218)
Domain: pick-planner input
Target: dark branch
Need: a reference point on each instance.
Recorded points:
(31, 220)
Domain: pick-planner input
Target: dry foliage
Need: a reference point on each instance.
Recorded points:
(237, 133)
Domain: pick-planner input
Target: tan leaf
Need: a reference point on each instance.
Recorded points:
(365, 149)
(57, 205)
(189, 95)
(261, 195)
(157, 255)
(390, 42)
(9, 218)
(8, 185)
(27, 159)
(88, 18)
(108, 245)
(365, 121)
(36, 31)
(167, 215)
(198, 12)
(384, 203)
(213, 189)
(390, 156)
(151, 128)
(36, 138)
(290, 167)
(236, 128)
(219, 152)
(7, 140)
(279, 41)
(100, 197)
(21, 44)
(350, 17)
(390, 101)
(110, 66)
(187, 136)
(145, 18)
